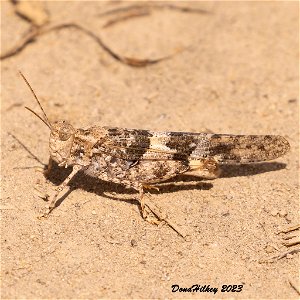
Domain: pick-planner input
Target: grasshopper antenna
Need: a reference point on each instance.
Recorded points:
(38, 116)
(46, 120)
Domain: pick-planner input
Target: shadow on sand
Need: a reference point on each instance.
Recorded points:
(178, 183)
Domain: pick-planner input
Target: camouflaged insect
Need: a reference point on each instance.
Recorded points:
(141, 158)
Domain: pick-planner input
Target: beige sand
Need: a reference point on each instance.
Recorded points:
(237, 73)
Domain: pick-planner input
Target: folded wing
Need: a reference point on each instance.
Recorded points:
(132, 144)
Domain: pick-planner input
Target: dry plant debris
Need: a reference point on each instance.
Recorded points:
(292, 240)
(36, 14)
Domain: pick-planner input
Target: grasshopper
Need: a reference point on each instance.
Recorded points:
(139, 159)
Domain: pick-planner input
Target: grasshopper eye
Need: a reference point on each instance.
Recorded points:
(65, 132)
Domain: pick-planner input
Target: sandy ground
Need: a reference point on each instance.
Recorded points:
(236, 72)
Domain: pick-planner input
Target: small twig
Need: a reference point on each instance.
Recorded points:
(284, 254)
(294, 286)
(291, 228)
(134, 62)
(28, 38)
(33, 12)
(292, 242)
(127, 16)
(155, 6)
(280, 255)
(182, 8)
(291, 236)
(38, 31)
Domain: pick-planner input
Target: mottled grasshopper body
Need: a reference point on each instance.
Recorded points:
(141, 158)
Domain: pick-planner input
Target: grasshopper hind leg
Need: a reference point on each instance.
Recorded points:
(148, 173)
(145, 214)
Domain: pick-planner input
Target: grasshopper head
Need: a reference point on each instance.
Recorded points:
(61, 136)
(61, 141)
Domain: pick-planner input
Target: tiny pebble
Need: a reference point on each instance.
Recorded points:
(94, 212)
(133, 243)
(269, 249)
(32, 237)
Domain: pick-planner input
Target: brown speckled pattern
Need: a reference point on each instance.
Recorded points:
(134, 157)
